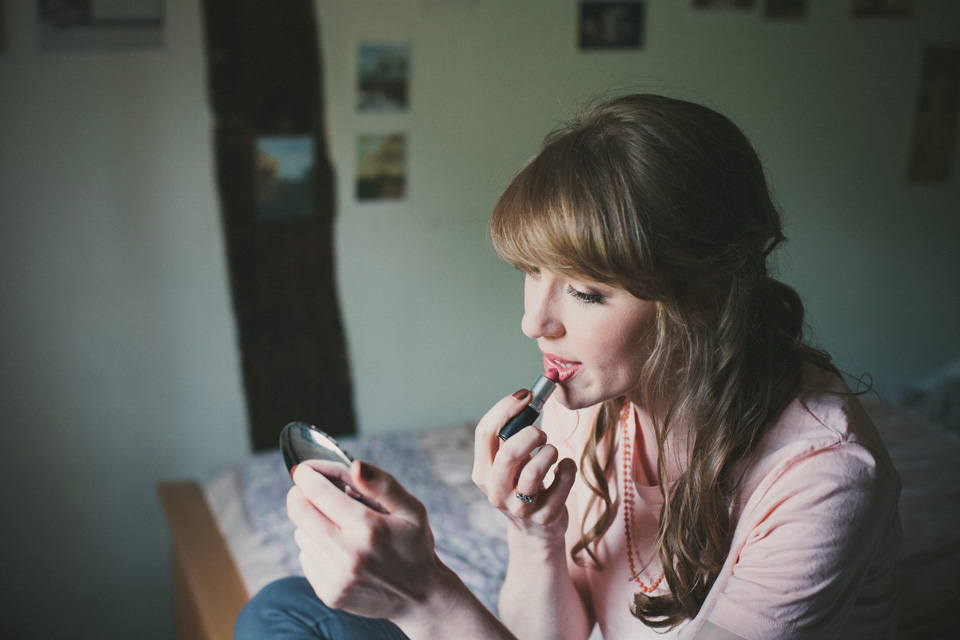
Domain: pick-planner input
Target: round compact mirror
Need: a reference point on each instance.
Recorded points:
(300, 441)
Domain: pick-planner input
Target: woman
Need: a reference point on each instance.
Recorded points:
(700, 473)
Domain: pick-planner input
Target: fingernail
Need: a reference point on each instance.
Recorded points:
(521, 394)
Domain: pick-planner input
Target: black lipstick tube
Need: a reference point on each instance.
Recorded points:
(541, 390)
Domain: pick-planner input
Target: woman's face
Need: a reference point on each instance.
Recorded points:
(597, 336)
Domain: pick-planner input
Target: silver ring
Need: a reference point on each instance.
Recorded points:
(522, 497)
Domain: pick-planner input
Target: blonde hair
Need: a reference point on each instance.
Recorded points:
(668, 200)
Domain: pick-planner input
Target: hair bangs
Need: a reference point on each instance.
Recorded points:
(548, 218)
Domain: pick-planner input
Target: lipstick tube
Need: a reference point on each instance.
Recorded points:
(542, 388)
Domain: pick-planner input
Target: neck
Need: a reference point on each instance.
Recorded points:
(650, 450)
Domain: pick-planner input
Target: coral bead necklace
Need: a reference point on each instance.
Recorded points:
(628, 494)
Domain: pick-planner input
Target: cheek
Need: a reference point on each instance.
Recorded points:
(633, 346)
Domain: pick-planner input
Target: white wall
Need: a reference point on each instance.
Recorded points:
(828, 100)
(117, 344)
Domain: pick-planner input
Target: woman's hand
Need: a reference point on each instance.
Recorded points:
(375, 563)
(522, 465)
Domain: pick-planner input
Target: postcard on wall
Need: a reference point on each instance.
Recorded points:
(724, 5)
(882, 8)
(935, 123)
(785, 9)
(383, 77)
(69, 25)
(3, 27)
(284, 178)
(611, 25)
(381, 167)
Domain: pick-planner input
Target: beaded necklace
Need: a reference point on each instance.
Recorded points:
(628, 494)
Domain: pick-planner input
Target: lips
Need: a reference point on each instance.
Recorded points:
(566, 368)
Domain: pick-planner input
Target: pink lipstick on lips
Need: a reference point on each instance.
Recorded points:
(541, 390)
(565, 368)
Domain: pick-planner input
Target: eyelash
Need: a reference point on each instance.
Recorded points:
(586, 298)
(579, 296)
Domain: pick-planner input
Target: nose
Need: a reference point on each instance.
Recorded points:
(541, 318)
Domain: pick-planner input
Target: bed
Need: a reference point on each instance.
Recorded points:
(231, 536)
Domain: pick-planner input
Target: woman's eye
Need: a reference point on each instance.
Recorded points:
(584, 296)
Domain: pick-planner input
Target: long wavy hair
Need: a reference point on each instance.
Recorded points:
(667, 200)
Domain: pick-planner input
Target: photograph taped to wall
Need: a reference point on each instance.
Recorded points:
(381, 167)
(284, 178)
(3, 27)
(882, 8)
(785, 9)
(383, 77)
(611, 25)
(723, 5)
(935, 124)
(66, 25)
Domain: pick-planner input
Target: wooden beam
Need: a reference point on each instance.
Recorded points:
(264, 73)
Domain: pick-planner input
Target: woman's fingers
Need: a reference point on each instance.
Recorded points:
(364, 560)
(486, 442)
(320, 490)
(531, 480)
(522, 465)
(383, 493)
(509, 463)
(565, 475)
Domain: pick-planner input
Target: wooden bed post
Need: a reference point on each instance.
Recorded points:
(208, 589)
(264, 79)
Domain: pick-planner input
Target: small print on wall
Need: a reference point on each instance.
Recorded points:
(70, 25)
(383, 77)
(284, 178)
(723, 5)
(882, 8)
(381, 167)
(3, 27)
(785, 9)
(611, 25)
(935, 124)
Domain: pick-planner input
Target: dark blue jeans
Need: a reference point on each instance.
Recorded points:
(288, 609)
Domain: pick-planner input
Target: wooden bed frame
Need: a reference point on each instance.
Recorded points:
(208, 589)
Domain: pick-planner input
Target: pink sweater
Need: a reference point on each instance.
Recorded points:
(816, 537)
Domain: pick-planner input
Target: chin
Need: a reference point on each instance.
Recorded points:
(575, 401)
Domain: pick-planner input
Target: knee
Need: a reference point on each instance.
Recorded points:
(272, 607)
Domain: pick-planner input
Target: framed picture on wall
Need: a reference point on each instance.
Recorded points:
(611, 25)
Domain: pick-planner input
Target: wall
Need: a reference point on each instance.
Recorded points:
(117, 345)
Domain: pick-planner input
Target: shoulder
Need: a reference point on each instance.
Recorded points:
(816, 519)
(823, 437)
